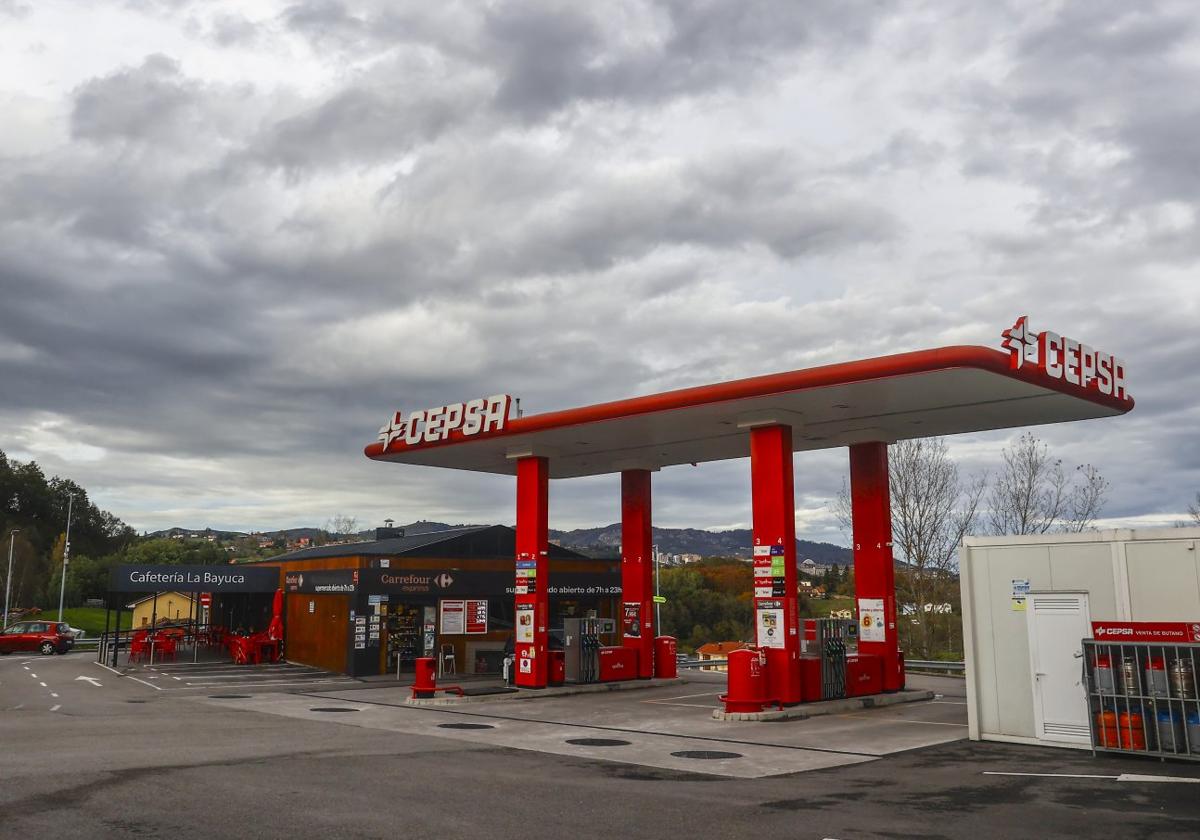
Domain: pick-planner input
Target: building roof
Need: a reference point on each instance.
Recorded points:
(948, 390)
(720, 648)
(464, 542)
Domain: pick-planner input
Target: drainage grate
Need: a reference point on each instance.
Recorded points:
(332, 709)
(705, 754)
(228, 696)
(598, 742)
(135, 701)
(465, 726)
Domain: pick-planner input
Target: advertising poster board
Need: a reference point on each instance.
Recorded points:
(454, 617)
(525, 624)
(870, 620)
(631, 620)
(769, 623)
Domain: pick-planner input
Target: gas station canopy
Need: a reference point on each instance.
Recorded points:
(945, 391)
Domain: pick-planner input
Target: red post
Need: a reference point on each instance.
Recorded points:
(874, 569)
(775, 609)
(637, 571)
(532, 570)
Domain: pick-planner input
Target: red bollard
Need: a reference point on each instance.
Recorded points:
(747, 682)
(665, 667)
(425, 683)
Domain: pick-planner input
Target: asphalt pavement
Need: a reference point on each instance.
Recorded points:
(118, 758)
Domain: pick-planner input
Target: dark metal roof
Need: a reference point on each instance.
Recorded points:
(470, 541)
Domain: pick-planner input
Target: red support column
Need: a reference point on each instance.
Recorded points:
(874, 569)
(777, 622)
(533, 569)
(637, 570)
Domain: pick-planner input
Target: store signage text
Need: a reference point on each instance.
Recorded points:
(192, 578)
(457, 420)
(1065, 359)
(1146, 631)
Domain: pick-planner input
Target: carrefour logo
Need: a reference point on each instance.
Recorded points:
(443, 580)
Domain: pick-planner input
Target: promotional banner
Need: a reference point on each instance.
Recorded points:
(769, 615)
(1170, 632)
(871, 620)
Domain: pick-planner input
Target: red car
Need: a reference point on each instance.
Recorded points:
(46, 637)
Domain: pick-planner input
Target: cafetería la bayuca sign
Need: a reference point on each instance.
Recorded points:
(1065, 359)
(447, 422)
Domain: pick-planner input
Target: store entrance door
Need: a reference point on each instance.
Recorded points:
(411, 633)
(1058, 623)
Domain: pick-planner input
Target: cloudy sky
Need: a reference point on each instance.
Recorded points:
(235, 236)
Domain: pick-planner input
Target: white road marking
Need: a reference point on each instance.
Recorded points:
(177, 678)
(43, 685)
(91, 680)
(948, 702)
(1051, 775)
(33, 675)
(143, 682)
(56, 707)
(52, 694)
(26, 667)
(1124, 777)
(683, 697)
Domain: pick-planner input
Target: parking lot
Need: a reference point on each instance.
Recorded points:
(124, 758)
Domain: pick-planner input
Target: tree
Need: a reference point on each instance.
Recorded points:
(1032, 494)
(1194, 510)
(341, 525)
(933, 508)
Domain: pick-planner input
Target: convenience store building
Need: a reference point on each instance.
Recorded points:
(367, 608)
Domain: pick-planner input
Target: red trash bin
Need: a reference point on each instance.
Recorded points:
(558, 668)
(747, 682)
(665, 667)
(425, 681)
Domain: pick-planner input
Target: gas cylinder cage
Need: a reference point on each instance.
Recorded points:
(1142, 698)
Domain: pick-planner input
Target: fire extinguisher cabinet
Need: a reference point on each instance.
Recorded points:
(665, 667)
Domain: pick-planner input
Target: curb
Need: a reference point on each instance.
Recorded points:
(828, 707)
(551, 691)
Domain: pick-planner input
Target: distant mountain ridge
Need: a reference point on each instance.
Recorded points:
(603, 541)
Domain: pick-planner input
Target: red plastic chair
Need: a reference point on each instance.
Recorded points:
(164, 647)
(139, 646)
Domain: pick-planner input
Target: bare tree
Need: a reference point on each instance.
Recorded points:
(1194, 510)
(341, 525)
(933, 508)
(1032, 494)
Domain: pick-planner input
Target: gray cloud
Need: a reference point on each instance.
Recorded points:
(225, 262)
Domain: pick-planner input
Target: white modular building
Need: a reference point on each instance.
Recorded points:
(1028, 603)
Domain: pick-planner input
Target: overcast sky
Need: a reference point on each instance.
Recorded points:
(234, 237)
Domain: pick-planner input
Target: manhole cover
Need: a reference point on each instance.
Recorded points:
(705, 754)
(332, 709)
(465, 726)
(229, 696)
(598, 742)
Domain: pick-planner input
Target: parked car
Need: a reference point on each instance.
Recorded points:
(45, 637)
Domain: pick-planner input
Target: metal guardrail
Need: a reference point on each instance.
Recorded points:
(935, 665)
(909, 664)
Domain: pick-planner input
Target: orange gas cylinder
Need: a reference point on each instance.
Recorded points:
(1132, 735)
(1106, 730)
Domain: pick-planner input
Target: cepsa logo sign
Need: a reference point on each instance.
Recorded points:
(448, 421)
(1065, 359)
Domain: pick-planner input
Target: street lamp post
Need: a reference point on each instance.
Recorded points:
(62, 586)
(8, 579)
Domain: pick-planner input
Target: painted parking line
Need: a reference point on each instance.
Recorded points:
(1123, 777)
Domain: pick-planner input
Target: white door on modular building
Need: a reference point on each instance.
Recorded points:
(1058, 622)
